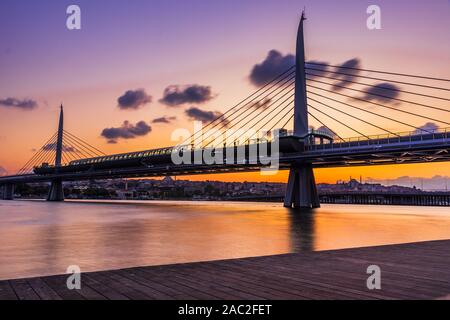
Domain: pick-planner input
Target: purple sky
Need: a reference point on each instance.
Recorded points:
(151, 44)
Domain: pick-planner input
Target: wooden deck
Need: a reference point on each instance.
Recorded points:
(408, 271)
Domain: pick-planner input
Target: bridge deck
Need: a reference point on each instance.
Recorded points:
(408, 271)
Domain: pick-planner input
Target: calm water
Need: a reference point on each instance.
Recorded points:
(42, 238)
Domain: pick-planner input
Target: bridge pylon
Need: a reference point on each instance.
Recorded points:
(301, 191)
(56, 192)
(8, 191)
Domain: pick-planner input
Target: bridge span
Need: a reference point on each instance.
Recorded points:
(291, 96)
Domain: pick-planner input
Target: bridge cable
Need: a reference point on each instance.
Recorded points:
(380, 95)
(380, 79)
(258, 105)
(324, 125)
(286, 123)
(30, 162)
(272, 83)
(360, 133)
(81, 154)
(261, 105)
(37, 154)
(70, 150)
(276, 123)
(380, 105)
(94, 149)
(281, 119)
(64, 158)
(378, 71)
(372, 85)
(252, 119)
(368, 111)
(355, 117)
(84, 150)
(47, 154)
(85, 143)
(85, 153)
(281, 104)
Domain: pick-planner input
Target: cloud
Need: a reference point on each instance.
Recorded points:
(126, 131)
(52, 146)
(3, 171)
(25, 104)
(387, 90)
(164, 119)
(204, 116)
(260, 105)
(350, 74)
(427, 128)
(274, 65)
(133, 99)
(177, 95)
(321, 68)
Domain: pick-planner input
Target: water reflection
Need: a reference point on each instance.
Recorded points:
(38, 238)
(302, 229)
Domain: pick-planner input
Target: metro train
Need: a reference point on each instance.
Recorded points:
(155, 157)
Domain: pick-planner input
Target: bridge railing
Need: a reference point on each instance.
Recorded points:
(385, 139)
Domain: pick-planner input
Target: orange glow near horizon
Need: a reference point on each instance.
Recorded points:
(216, 48)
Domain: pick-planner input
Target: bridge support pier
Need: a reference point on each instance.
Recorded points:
(301, 191)
(56, 192)
(8, 191)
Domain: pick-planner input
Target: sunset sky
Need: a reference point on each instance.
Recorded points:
(145, 47)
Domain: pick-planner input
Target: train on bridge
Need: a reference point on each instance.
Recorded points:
(256, 151)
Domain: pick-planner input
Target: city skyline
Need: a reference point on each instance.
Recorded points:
(131, 85)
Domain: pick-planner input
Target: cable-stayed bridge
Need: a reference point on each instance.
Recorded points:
(341, 101)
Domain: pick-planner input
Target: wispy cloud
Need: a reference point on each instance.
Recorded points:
(198, 114)
(164, 119)
(272, 66)
(345, 75)
(126, 131)
(52, 147)
(176, 95)
(133, 99)
(382, 92)
(22, 104)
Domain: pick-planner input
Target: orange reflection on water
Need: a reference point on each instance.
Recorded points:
(41, 238)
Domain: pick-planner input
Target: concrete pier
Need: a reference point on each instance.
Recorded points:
(408, 271)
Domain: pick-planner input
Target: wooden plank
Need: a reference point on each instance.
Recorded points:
(59, 285)
(102, 288)
(409, 271)
(43, 290)
(23, 290)
(6, 291)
